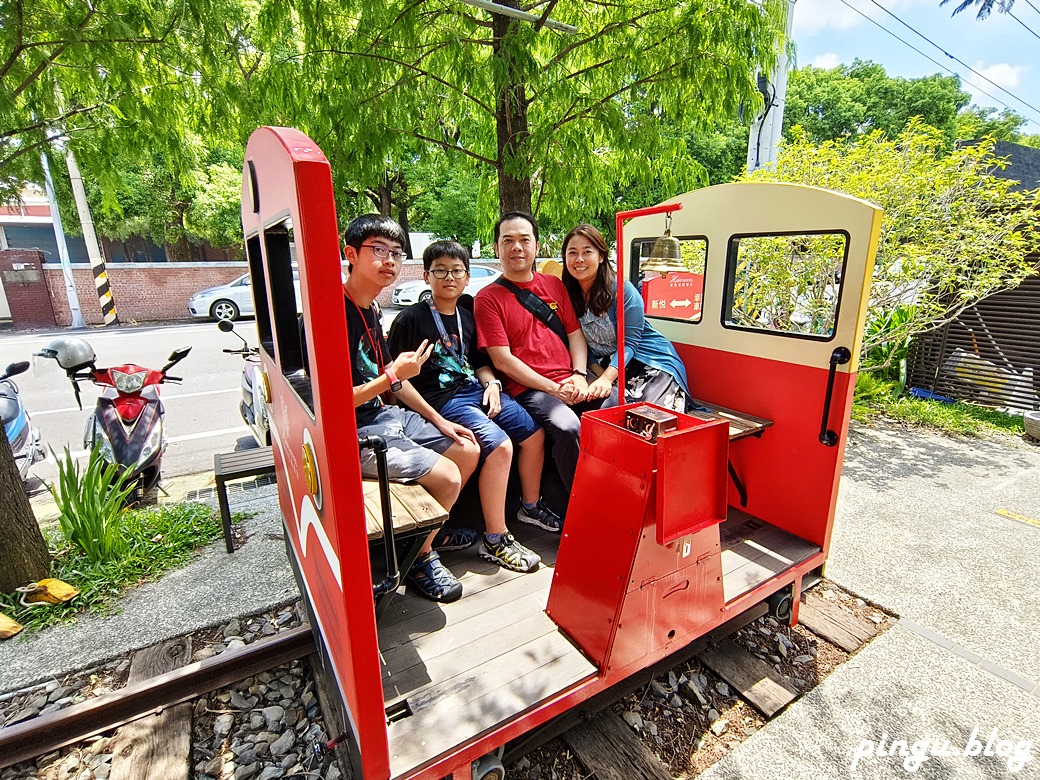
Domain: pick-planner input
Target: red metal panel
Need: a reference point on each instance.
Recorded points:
(604, 520)
(791, 478)
(691, 477)
(326, 527)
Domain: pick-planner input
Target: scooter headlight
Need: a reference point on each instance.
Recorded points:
(128, 383)
(151, 446)
(104, 446)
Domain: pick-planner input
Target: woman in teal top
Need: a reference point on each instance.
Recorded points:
(653, 371)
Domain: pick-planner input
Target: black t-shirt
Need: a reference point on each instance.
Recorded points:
(370, 352)
(444, 373)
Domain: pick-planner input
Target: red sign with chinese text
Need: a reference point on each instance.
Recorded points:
(677, 295)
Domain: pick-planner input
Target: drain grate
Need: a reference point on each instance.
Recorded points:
(233, 489)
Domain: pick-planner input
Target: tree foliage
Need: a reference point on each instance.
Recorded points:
(546, 114)
(952, 233)
(984, 6)
(122, 73)
(851, 100)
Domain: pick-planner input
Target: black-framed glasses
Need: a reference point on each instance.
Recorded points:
(442, 273)
(383, 252)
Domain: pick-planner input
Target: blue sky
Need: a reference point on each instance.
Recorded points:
(828, 33)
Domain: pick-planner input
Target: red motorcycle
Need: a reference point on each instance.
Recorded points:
(127, 424)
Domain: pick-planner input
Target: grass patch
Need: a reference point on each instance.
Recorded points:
(157, 539)
(876, 397)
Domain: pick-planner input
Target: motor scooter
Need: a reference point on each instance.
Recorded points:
(127, 424)
(21, 434)
(252, 404)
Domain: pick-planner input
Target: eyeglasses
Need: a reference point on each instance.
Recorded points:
(443, 273)
(383, 252)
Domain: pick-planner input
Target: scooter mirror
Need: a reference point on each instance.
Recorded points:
(15, 368)
(225, 326)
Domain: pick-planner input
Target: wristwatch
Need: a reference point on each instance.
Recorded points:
(395, 383)
(578, 372)
(493, 382)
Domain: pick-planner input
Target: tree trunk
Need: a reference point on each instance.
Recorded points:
(402, 212)
(514, 193)
(23, 554)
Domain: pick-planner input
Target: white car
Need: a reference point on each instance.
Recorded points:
(230, 301)
(414, 290)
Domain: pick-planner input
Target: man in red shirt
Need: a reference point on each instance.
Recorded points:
(543, 373)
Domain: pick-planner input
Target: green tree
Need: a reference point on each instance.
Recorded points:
(122, 73)
(985, 6)
(547, 114)
(951, 235)
(850, 100)
(977, 122)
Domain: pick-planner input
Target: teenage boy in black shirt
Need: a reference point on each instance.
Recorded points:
(422, 446)
(459, 383)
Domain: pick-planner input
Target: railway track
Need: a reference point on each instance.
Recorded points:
(211, 694)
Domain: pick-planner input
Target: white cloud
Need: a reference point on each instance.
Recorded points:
(1008, 76)
(813, 16)
(827, 61)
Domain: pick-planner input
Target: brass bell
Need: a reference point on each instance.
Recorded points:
(665, 255)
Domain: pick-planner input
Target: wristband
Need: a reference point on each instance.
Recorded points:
(582, 374)
(395, 383)
(493, 382)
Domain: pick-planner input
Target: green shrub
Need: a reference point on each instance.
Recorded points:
(92, 503)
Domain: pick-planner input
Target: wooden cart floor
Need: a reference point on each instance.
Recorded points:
(500, 656)
(754, 551)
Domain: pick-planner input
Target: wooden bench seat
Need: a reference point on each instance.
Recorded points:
(414, 510)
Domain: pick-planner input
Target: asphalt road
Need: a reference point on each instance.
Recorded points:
(202, 414)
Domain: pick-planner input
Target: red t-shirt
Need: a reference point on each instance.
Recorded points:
(503, 322)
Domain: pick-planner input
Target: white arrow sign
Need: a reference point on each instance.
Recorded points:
(677, 304)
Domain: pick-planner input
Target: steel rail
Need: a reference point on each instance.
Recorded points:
(55, 730)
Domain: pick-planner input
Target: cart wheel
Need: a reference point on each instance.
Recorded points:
(489, 767)
(780, 605)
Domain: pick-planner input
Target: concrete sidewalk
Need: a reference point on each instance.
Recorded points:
(918, 533)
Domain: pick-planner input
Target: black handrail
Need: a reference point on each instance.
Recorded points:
(839, 356)
(393, 574)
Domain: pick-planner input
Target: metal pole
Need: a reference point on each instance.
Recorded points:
(764, 138)
(97, 260)
(63, 249)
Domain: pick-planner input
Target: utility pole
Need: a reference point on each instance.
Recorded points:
(97, 260)
(764, 138)
(63, 248)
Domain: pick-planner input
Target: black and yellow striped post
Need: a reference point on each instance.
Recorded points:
(97, 260)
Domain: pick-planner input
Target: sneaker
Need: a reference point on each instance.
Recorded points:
(509, 553)
(433, 580)
(541, 516)
(454, 539)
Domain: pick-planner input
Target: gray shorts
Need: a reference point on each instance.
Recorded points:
(413, 444)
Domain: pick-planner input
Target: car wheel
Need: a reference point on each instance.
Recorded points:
(426, 296)
(224, 310)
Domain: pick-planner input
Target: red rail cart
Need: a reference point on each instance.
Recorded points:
(666, 537)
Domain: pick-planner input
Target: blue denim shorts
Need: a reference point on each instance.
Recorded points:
(513, 422)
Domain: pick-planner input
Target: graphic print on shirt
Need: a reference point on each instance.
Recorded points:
(450, 370)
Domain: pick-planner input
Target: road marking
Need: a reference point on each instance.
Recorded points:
(175, 439)
(91, 334)
(1018, 517)
(165, 397)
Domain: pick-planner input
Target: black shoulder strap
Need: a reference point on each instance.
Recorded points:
(539, 308)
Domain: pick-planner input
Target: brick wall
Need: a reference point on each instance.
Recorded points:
(26, 288)
(143, 292)
(159, 292)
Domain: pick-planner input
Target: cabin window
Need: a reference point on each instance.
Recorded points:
(255, 260)
(677, 294)
(286, 306)
(787, 284)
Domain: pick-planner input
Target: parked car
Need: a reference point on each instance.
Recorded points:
(407, 293)
(229, 301)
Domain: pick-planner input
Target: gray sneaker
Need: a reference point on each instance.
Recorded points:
(541, 516)
(510, 554)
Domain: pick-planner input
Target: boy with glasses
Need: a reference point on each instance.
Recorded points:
(459, 383)
(422, 446)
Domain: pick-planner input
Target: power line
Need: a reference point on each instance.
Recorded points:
(933, 61)
(1030, 4)
(955, 59)
(1023, 24)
